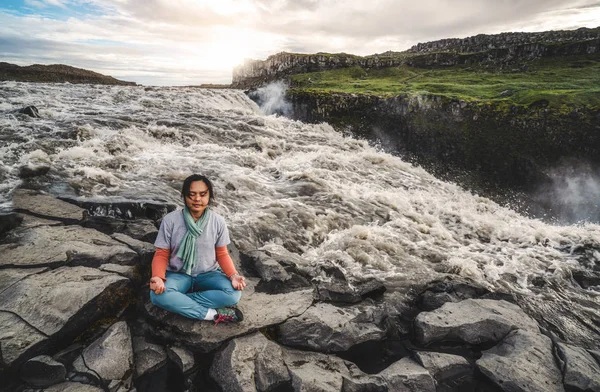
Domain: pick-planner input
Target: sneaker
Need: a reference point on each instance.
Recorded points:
(228, 315)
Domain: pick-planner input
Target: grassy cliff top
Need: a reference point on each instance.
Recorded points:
(556, 82)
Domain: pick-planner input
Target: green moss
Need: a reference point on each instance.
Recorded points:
(556, 83)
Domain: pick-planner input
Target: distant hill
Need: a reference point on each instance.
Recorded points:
(55, 73)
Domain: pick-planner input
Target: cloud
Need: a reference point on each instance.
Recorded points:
(195, 38)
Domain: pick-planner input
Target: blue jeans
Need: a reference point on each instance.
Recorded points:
(192, 296)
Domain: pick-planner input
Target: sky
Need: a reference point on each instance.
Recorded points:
(189, 42)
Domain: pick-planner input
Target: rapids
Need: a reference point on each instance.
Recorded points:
(302, 190)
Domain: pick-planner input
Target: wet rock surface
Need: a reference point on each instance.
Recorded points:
(75, 316)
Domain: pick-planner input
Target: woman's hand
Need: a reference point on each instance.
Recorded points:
(157, 285)
(238, 281)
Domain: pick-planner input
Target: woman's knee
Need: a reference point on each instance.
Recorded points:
(235, 296)
(157, 299)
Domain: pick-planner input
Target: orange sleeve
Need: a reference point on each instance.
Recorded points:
(225, 261)
(160, 262)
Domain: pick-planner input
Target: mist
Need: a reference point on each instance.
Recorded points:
(271, 99)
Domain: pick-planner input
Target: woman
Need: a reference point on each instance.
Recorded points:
(192, 272)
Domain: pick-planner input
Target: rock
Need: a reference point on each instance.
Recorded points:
(10, 276)
(586, 278)
(31, 111)
(42, 371)
(141, 229)
(523, 361)
(336, 288)
(31, 170)
(269, 269)
(45, 206)
(407, 375)
(450, 289)
(110, 357)
(16, 338)
(260, 310)
(581, 372)
(315, 371)
(9, 222)
(144, 249)
(73, 387)
(182, 357)
(328, 328)
(61, 302)
(127, 271)
(472, 321)
(595, 354)
(46, 246)
(249, 363)
(364, 384)
(31, 221)
(447, 369)
(149, 357)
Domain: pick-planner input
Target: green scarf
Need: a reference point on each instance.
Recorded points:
(187, 248)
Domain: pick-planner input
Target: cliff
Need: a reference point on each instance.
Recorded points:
(56, 73)
(493, 51)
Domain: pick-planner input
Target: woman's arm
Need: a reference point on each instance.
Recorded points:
(159, 269)
(237, 281)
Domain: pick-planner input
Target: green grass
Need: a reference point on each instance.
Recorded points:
(562, 82)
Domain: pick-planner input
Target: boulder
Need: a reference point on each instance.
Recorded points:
(110, 357)
(407, 375)
(315, 371)
(182, 357)
(269, 269)
(250, 363)
(472, 321)
(142, 230)
(31, 170)
(595, 354)
(57, 303)
(149, 357)
(335, 287)
(580, 371)
(448, 289)
(260, 310)
(328, 328)
(31, 111)
(523, 361)
(448, 370)
(46, 246)
(42, 371)
(45, 206)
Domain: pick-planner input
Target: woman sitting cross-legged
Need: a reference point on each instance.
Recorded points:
(192, 272)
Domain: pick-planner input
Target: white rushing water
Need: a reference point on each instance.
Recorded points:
(281, 185)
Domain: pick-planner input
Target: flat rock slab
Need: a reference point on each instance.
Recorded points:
(46, 206)
(110, 357)
(249, 363)
(523, 361)
(328, 328)
(580, 369)
(472, 321)
(260, 310)
(10, 276)
(73, 387)
(53, 302)
(16, 338)
(52, 246)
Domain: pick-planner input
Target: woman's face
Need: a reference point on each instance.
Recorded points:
(197, 198)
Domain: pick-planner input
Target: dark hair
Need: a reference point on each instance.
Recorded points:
(187, 183)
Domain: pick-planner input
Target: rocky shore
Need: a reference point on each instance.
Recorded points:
(75, 316)
(56, 73)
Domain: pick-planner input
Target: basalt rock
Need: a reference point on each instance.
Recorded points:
(9, 222)
(149, 357)
(44, 206)
(580, 371)
(57, 304)
(31, 170)
(31, 111)
(260, 310)
(43, 371)
(407, 375)
(181, 357)
(523, 361)
(472, 321)
(328, 328)
(451, 372)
